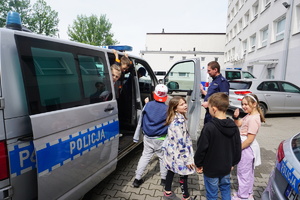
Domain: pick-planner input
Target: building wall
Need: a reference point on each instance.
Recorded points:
(268, 57)
(164, 49)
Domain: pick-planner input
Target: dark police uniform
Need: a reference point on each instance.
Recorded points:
(219, 84)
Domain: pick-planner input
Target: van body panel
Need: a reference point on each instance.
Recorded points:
(60, 141)
(23, 128)
(11, 78)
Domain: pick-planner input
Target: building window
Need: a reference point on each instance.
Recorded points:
(252, 42)
(171, 57)
(183, 57)
(237, 6)
(240, 25)
(298, 18)
(267, 3)
(216, 59)
(250, 69)
(279, 28)
(246, 19)
(255, 10)
(264, 36)
(244, 47)
(270, 72)
(202, 58)
(234, 31)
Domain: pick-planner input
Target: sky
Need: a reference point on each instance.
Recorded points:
(132, 19)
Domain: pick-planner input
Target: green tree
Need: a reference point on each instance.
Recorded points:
(20, 6)
(43, 19)
(92, 30)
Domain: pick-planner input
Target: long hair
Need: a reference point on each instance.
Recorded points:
(251, 99)
(173, 103)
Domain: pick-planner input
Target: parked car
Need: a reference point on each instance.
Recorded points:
(160, 75)
(284, 181)
(275, 96)
(230, 74)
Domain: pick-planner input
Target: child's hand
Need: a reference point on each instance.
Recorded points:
(191, 166)
(199, 170)
(236, 113)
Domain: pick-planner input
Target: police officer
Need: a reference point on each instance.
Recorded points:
(219, 84)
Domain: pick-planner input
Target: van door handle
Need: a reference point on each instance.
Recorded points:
(109, 108)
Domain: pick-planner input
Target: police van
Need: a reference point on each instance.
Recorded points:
(56, 141)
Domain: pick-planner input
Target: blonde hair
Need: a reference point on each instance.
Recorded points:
(173, 103)
(125, 60)
(219, 100)
(251, 99)
(117, 68)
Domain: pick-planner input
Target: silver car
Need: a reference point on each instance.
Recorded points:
(275, 96)
(284, 181)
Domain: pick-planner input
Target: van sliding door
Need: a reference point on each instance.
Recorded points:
(183, 79)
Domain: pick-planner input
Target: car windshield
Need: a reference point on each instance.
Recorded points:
(239, 85)
(296, 146)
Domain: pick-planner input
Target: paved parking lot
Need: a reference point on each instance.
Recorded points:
(118, 185)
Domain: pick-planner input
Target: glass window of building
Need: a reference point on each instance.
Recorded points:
(264, 36)
(279, 28)
(252, 42)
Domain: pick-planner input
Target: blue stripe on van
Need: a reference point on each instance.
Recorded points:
(22, 158)
(57, 153)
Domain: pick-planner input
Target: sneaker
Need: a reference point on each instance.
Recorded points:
(136, 183)
(163, 182)
(171, 196)
(238, 198)
(251, 197)
(235, 198)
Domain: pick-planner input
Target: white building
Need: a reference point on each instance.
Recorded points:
(164, 49)
(263, 37)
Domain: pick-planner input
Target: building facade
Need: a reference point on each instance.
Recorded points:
(263, 37)
(164, 49)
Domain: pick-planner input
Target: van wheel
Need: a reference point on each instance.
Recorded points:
(263, 108)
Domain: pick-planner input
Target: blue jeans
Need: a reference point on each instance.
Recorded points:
(212, 186)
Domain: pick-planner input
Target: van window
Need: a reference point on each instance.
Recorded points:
(233, 75)
(58, 76)
(247, 75)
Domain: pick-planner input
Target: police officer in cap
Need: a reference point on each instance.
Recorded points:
(219, 84)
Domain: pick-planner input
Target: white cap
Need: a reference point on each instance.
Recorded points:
(161, 93)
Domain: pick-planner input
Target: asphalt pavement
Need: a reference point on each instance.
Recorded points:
(118, 185)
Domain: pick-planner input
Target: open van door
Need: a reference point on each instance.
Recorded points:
(183, 79)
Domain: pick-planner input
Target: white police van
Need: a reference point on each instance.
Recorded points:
(56, 140)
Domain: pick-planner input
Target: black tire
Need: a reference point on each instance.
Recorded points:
(263, 108)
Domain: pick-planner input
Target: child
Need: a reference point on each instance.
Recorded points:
(124, 62)
(178, 150)
(249, 126)
(219, 148)
(152, 121)
(115, 72)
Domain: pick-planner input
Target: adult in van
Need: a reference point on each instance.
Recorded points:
(218, 84)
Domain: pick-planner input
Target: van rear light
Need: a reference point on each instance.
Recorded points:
(280, 152)
(4, 174)
(242, 92)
